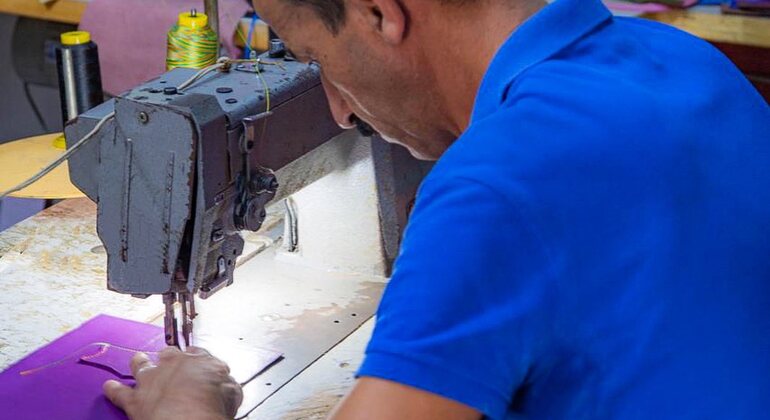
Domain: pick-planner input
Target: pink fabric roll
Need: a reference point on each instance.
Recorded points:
(131, 35)
(624, 6)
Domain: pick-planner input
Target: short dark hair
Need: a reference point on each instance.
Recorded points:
(332, 12)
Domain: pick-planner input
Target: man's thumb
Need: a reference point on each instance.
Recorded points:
(118, 393)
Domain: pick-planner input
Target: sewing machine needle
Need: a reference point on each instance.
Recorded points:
(188, 312)
(169, 320)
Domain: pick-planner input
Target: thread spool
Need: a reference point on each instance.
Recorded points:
(80, 78)
(191, 42)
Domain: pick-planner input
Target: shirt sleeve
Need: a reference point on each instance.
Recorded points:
(459, 317)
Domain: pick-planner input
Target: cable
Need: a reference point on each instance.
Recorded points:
(239, 32)
(222, 62)
(265, 85)
(66, 155)
(247, 51)
(35, 109)
(267, 96)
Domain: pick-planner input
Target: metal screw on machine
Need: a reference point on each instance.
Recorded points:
(265, 183)
(269, 183)
(277, 48)
(255, 215)
(256, 193)
(256, 187)
(221, 267)
(217, 235)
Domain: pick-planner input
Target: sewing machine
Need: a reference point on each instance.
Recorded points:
(177, 175)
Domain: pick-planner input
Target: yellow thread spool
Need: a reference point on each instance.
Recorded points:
(60, 142)
(75, 38)
(191, 42)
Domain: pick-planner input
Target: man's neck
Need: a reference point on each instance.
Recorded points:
(459, 43)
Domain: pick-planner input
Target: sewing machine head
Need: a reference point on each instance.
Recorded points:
(178, 173)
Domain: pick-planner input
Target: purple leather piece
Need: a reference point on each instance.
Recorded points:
(55, 381)
(63, 380)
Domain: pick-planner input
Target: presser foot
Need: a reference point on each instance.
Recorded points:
(172, 324)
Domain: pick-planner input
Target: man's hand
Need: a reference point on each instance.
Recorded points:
(190, 385)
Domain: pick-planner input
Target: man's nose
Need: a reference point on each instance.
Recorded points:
(341, 111)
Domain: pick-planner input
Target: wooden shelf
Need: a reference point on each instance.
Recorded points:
(727, 29)
(67, 11)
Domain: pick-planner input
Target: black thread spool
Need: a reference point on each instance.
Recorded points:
(80, 78)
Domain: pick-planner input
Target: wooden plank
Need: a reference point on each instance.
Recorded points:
(52, 269)
(67, 11)
(738, 30)
(751, 60)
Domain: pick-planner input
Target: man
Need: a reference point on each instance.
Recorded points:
(594, 241)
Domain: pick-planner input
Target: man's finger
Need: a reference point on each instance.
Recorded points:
(198, 350)
(139, 362)
(168, 353)
(233, 397)
(117, 393)
(219, 364)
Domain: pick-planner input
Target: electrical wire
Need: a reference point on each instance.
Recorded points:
(267, 96)
(221, 63)
(265, 85)
(61, 159)
(240, 34)
(247, 52)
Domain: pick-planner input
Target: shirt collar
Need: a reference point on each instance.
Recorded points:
(540, 37)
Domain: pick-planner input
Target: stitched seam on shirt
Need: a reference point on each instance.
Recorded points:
(526, 69)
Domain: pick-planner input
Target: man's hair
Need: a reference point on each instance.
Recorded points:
(332, 12)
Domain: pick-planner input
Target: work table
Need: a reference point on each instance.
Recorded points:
(52, 267)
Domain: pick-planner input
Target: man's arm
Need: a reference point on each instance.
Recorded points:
(378, 399)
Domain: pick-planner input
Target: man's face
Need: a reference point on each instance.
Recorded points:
(383, 84)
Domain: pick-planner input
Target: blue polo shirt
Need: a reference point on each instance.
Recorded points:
(597, 243)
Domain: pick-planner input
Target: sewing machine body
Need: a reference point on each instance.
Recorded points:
(167, 176)
(177, 175)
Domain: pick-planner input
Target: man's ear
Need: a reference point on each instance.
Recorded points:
(387, 17)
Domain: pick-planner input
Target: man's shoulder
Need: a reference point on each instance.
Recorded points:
(592, 95)
(528, 132)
